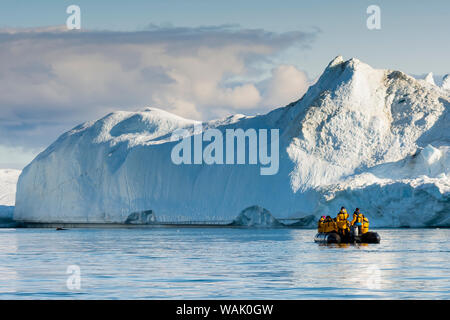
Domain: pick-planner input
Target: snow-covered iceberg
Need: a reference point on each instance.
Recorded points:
(255, 216)
(360, 137)
(8, 182)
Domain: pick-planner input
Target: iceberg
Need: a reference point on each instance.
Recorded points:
(255, 216)
(8, 182)
(360, 137)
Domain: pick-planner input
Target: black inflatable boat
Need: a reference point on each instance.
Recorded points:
(333, 237)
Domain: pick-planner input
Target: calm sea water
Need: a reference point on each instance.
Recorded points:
(223, 263)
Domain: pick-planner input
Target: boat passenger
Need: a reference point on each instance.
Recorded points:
(365, 225)
(330, 225)
(358, 219)
(342, 222)
(320, 224)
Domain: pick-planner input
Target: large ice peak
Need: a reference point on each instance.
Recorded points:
(340, 69)
(336, 61)
(356, 117)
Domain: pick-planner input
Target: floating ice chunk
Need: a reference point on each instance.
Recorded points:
(141, 217)
(256, 216)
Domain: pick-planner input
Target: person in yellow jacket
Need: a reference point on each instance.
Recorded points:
(365, 225)
(321, 224)
(342, 222)
(355, 216)
(360, 221)
(329, 225)
(333, 225)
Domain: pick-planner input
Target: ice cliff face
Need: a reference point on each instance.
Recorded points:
(360, 137)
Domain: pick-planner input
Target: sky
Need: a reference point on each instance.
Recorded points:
(200, 59)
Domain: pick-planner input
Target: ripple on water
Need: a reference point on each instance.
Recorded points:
(206, 263)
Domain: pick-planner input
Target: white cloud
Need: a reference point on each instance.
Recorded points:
(52, 80)
(287, 84)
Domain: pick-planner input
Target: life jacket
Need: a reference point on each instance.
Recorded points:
(329, 225)
(320, 225)
(341, 219)
(358, 218)
(365, 225)
(325, 225)
(333, 226)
